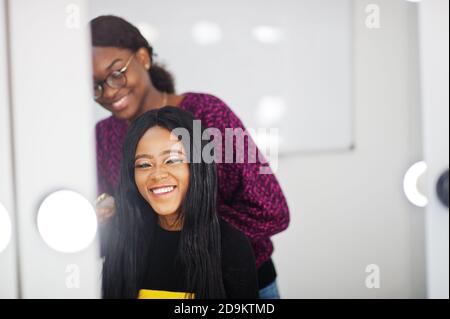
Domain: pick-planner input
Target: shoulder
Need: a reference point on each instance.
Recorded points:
(204, 99)
(234, 242)
(212, 110)
(104, 127)
(109, 122)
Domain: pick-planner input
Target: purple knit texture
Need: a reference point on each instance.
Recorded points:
(252, 202)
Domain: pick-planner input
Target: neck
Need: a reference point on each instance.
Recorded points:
(154, 99)
(170, 222)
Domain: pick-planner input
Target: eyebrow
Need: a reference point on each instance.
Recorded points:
(162, 153)
(112, 63)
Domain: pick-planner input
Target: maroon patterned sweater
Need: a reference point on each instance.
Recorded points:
(252, 202)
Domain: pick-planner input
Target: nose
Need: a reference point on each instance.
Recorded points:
(108, 92)
(158, 175)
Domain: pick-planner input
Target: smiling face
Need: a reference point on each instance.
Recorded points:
(126, 102)
(162, 172)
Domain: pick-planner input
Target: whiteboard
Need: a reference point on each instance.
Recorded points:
(277, 64)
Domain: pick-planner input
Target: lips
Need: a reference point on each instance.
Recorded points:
(162, 190)
(121, 103)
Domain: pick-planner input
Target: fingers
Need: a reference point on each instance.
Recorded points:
(104, 213)
(105, 209)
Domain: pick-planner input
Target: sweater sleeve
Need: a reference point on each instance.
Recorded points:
(108, 140)
(100, 154)
(109, 134)
(252, 202)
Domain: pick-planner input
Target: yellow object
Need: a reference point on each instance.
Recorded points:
(162, 294)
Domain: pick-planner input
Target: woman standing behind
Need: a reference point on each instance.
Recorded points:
(127, 82)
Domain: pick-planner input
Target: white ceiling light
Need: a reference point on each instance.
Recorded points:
(5, 228)
(271, 110)
(206, 33)
(67, 221)
(267, 34)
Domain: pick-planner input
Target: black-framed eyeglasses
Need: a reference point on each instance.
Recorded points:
(116, 80)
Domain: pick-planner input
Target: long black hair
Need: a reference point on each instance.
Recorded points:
(131, 226)
(113, 31)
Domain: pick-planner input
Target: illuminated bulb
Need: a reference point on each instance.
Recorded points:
(410, 184)
(271, 109)
(67, 221)
(206, 33)
(267, 34)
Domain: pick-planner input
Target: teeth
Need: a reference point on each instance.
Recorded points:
(162, 190)
(119, 102)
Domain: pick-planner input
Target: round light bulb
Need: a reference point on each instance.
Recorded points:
(411, 182)
(67, 221)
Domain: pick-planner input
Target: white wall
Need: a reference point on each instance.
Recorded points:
(348, 209)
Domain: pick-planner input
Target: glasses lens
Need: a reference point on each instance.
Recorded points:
(116, 80)
(98, 91)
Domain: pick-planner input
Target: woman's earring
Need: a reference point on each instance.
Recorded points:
(147, 66)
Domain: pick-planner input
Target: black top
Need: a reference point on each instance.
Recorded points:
(238, 264)
(266, 274)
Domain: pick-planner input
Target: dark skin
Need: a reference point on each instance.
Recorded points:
(139, 92)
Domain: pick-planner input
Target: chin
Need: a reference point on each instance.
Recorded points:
(165, 212)
(127, 114)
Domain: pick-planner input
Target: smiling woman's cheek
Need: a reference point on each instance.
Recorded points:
(181, 171)
(140, 179)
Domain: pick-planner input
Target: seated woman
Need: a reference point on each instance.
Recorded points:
(166, 240)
